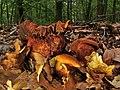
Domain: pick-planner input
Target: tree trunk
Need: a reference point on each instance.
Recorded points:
(105, 9)
(1, 12)
(46, 11)
(7, 11)
(37, 10)
(114, 11)
(83, 9)
(88, 9)
(12, 12)
(40, 13)
(100, 9)
(69, 9)
(20, 11)
(58, 10)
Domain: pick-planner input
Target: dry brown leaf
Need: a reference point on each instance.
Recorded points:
(115, 82)
(82, 85)
(43, 82)
(112, 55)
(52, 62)
(15, 59)
(21, 81)
(8, 75)
(26, 80)
(39, 69)
(11, 57)
(70, 83)
(48, 71)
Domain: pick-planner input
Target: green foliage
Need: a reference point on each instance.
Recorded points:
(44, 11)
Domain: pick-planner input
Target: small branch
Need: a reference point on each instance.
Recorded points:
(11, 33)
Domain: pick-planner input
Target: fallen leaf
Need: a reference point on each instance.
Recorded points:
(38, 58)
(15, 59)
(20, 81)
(43, 82)
(40, 62)
(82, 85)
(38, 70)
(8, 75)
(52, 62)
(89, 79)
(26, 80)
(95, 63)
(17, 46)
(22, 55)
(9, 85)
(113, 55)
(70, 83)
(115, 82)
(47, 69)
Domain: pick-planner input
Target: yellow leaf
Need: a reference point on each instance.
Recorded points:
(39, 70)
(9, 85)
(52, 62)
(109, 70)
(40, 61)
(17, 45)
(95, 63)
(38, 58)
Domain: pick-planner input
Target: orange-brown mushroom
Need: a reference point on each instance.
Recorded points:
(65, 63)
(68, 59)
(83, 47)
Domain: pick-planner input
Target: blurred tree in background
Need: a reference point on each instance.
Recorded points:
(49, 11)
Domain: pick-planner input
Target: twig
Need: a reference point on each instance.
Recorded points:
(10, 33)
(3, 42)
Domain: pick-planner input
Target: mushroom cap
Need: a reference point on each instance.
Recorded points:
(68, 59)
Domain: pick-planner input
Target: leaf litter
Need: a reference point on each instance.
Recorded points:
(60, 56)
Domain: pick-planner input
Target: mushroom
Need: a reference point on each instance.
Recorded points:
(65, 63)
(68, 59)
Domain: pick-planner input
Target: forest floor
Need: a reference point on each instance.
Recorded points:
(60, 56)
